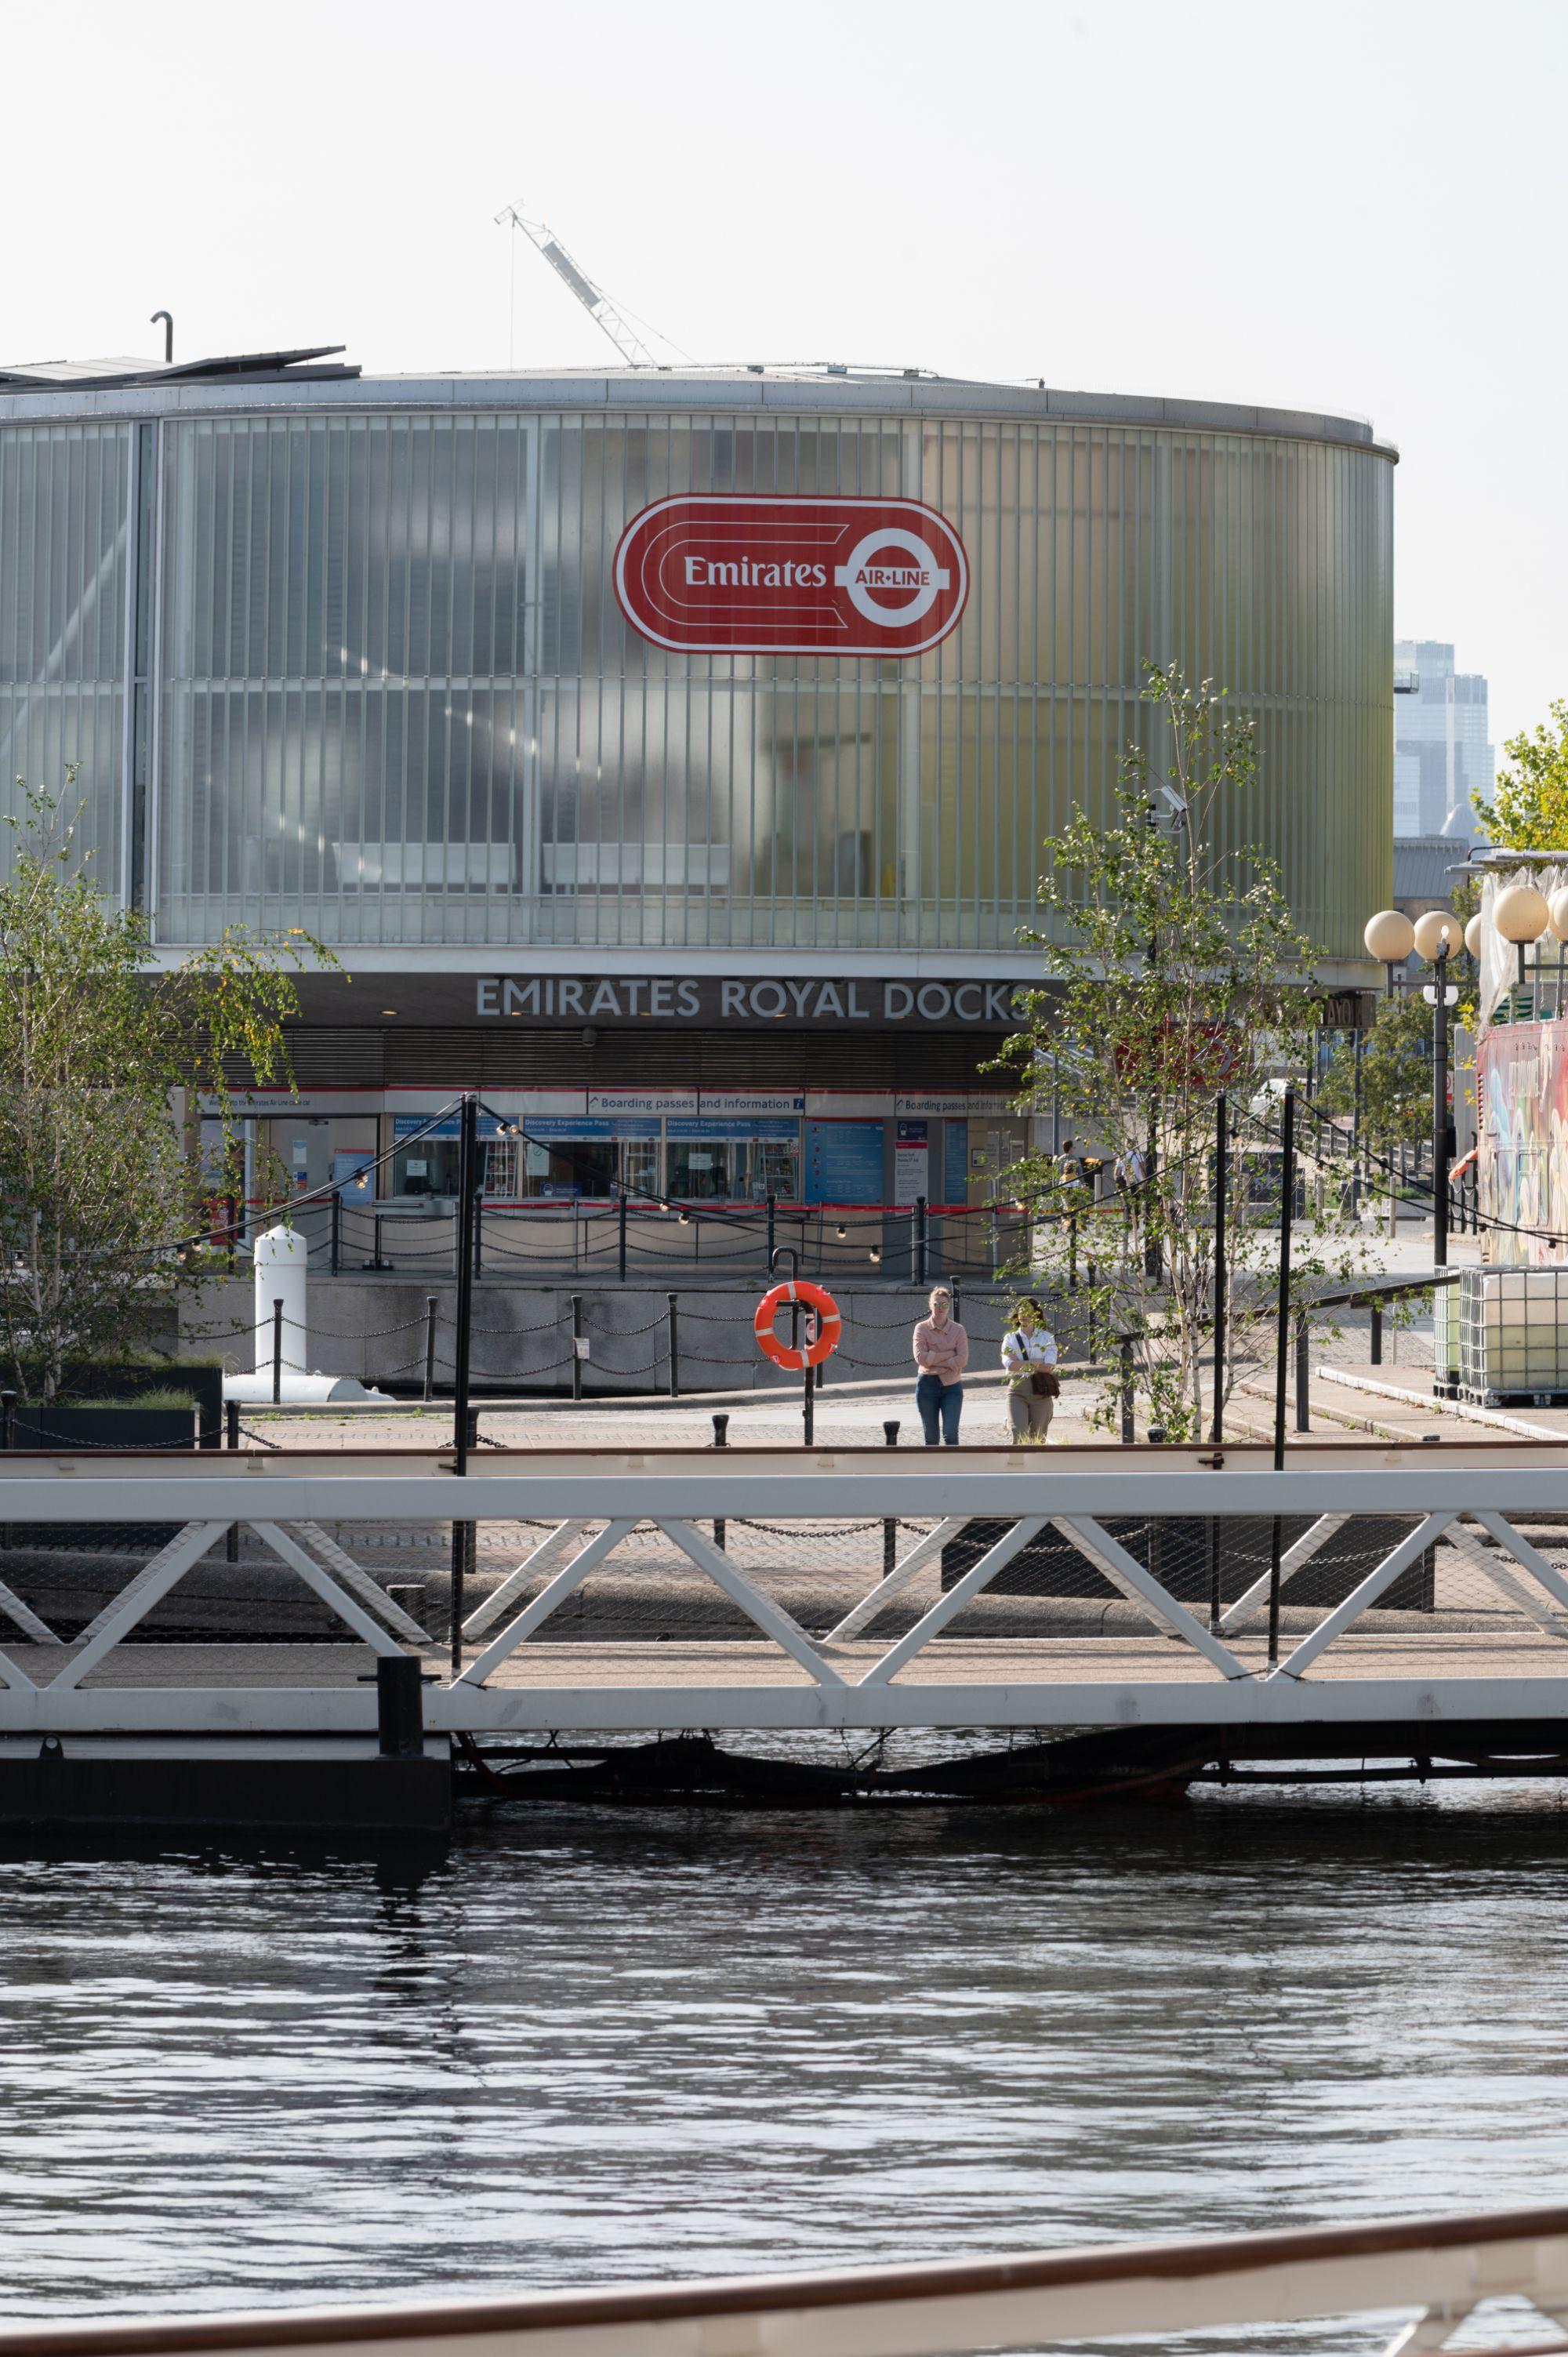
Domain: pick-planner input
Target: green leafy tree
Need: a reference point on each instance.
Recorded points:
(104, 1069)
(1178, 971)
(1393, 1088)
(1529, 809)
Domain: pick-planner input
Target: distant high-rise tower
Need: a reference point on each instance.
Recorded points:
(1441, 757)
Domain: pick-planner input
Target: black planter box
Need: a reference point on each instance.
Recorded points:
(60, 1425)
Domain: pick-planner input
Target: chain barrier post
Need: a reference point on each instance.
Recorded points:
(674, 1344)
(336, 1233)
(277, 1352)
(1376, 1307)
(889, 1522)
(463, 1424)
(478, 1230)
(1126, 1389)
(620, 1236)
(1302, 1403)
(922, 1244)
(430, 1302)
(721, 1440)
(577, 1346)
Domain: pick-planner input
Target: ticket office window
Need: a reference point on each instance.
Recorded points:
(775, 1169)
(429, 1167)
(563, 1169)
(640, 1171)
(706, 1169)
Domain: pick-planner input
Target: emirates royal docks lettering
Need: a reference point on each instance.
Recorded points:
(705, 1000)
(728, 576)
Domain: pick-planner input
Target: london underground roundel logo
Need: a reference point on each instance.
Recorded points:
(716, 574)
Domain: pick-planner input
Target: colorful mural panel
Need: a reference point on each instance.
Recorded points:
(1521, 1072)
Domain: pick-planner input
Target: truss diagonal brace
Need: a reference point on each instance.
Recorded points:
(139, 1595)
(512, 1585)
(1335, 1623)
(322, 1583)
(368, 1591)
(1291, 1562)
(1530, 1558)
(957, 1596)
(893, 1583)
(569, 1576)
(1140, 1587)
(770, 1618)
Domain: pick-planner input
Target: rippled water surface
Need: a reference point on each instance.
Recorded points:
(579, 2047)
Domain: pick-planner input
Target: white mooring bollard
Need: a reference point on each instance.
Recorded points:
(280, 1258)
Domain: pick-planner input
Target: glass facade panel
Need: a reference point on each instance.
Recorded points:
(393, 698)
(65, 536)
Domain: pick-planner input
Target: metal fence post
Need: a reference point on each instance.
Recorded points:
(430, 1301)
(277, 1351)
(7, 1440)
(721, 1440)
(620, 1237)
(1377, 1310)
(231, 1440)
(889, 1522)
(922, 1244)
(576, 1339)
(336, 1233)
(673, 1345)
(1303, 1405)
(479, 1233)
(1126, 1388)
(772, 1223)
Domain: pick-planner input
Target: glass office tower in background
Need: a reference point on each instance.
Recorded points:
(1442, 759)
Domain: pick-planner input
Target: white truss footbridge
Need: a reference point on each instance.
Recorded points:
(670, 1591)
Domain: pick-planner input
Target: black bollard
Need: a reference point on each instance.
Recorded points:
(721, 1440)
(399, 1707)
(889, 1522)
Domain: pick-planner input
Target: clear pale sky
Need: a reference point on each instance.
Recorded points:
(1356, 207)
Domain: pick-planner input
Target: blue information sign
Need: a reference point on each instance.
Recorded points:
(844, 1161)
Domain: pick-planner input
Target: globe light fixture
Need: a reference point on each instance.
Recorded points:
(1521, 915)
(1475, 933)
(1390, 938)
(1437, 935)
(1557, 915)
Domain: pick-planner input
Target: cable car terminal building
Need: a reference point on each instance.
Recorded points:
(668, 755)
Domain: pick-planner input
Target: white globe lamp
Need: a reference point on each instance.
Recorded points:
(1521, 915)
(1475, 933)
(1390, 938)
(1557, 915)
(1438, 934)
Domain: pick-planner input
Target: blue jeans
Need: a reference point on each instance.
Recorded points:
(934, 1398)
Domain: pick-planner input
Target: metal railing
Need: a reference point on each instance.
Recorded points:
(1444, 2269)
(685, 1592)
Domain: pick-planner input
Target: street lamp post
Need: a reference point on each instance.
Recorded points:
(1437, 936)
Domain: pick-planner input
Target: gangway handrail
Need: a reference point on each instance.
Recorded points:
(1443, 2267)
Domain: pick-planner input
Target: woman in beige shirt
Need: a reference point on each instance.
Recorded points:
(942, 1354)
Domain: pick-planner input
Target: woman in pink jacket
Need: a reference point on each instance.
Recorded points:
(942, 1354)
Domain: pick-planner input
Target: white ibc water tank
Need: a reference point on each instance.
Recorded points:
(280, 1257)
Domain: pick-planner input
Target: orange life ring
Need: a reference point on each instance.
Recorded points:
(812, 1296)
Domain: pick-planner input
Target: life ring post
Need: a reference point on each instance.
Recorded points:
(823, 1324)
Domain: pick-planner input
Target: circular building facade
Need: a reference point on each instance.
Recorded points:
(513, 689)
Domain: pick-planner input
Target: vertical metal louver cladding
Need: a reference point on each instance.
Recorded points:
(65, 533)
(346, 714)
(400, 704)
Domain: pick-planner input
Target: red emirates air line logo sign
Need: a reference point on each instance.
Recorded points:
(755, 576)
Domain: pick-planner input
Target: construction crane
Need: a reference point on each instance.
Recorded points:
(594, 300)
